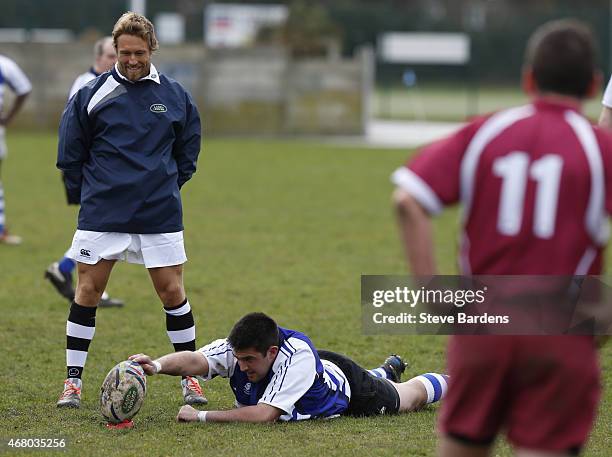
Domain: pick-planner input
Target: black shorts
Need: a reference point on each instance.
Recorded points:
(369, 395)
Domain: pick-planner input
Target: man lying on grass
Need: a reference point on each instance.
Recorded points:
(277, 374)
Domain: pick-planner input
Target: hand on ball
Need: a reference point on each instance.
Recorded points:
(145, 362)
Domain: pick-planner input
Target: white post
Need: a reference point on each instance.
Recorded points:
(140, 6)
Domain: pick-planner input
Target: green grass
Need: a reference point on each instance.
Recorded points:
(457, 103)
(282, 227)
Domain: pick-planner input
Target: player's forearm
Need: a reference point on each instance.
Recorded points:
(19, 101)
(253, 414)
(184, 363)
(416, 234)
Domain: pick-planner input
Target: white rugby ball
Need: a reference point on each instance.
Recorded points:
(123, 391)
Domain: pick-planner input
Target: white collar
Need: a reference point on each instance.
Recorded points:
(153, 75)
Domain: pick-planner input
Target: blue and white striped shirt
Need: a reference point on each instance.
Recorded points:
(12, 76)
(298, 383)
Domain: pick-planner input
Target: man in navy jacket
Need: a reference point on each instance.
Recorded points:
(128, 141)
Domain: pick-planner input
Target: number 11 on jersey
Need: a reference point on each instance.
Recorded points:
(514, 169)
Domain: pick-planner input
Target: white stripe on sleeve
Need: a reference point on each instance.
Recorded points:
(412, 183)
(596, 221)
(109, 85)
(293, 376)
(220, 357)
(495, 125)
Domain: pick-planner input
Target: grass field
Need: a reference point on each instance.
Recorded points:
(285, 228)
(455, 103)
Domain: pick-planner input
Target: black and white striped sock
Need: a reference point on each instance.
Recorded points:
(180, 327)
(80, 330)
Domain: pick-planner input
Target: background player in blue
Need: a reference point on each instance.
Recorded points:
(277, 374)
(13, 77)
(128, 141)
(60, 273)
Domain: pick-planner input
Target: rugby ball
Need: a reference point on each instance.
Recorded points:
(123, 392)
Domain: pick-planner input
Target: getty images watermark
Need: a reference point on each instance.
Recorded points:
(508, 305)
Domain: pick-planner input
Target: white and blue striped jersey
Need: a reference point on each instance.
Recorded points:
(81, 80)
(12, 76)
(298, 383)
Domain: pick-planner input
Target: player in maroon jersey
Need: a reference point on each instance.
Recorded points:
(535, 186)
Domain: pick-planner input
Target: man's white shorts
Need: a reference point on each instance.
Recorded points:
(3, 148)
(152, 250)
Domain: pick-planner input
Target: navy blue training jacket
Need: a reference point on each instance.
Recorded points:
(126, 148)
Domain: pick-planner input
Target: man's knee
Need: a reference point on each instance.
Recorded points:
(413, 395)
(168, 283)
(92, 281)
(88, 293)
(171, 293)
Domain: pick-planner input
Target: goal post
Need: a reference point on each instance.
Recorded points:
(430, 48)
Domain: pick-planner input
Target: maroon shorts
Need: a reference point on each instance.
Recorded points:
(542, 390)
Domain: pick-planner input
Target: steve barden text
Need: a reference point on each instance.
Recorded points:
(486, 305)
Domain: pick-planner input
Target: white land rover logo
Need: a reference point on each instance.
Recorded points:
(158, 108)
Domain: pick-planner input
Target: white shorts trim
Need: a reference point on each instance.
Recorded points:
(152, 250)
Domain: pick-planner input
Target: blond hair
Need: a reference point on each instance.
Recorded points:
(131, 23)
